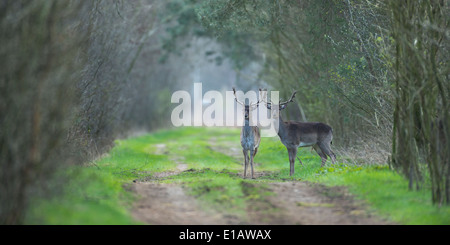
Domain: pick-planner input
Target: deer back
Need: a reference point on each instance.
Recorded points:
(306, 133)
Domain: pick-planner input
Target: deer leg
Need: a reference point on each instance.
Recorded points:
(292, 155)
(290, 161)
(321, 154)
(300, 161)
(326, 148)
(252, 154)
(245, 162)
(333, 157)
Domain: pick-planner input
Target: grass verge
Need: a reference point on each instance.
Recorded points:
(387, 193)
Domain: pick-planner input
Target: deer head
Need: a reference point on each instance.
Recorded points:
(281, 105)
(247, 108)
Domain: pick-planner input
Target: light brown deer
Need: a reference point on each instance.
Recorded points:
(302, 134)
(250, 136)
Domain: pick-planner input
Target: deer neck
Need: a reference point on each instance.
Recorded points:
(246, 123)
(282, 130)
(246, 129)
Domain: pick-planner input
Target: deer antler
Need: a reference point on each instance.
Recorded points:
(259, 101)
(242, 103)
(264, 94)
(234, 91)
(281, 103)
(290, 100)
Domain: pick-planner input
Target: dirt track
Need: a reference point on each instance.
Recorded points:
(297, 203)
(294, 202)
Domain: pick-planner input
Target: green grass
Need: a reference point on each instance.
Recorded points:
(387, 193)
(90, 197)
(95, 193)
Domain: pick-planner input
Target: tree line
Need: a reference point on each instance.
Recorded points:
(75, 76)
(376, 71)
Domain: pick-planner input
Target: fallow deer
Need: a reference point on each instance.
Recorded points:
(302, 134)
(250, 135)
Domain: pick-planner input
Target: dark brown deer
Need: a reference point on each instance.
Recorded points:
(302, 134)
(250, 136)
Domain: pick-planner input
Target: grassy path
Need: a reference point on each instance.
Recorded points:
(194, 176)
(212, 191)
